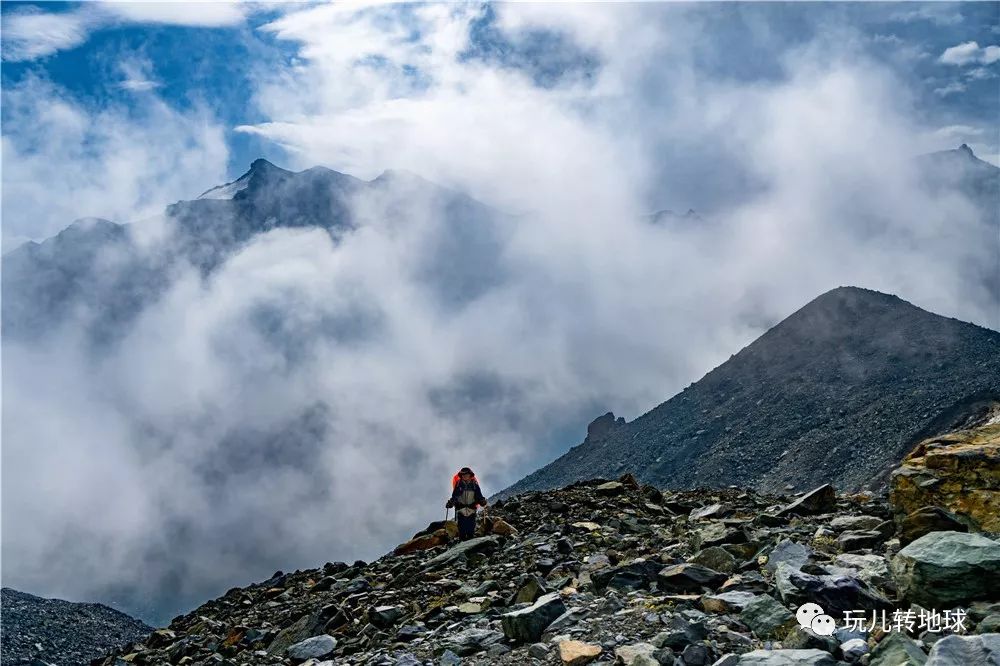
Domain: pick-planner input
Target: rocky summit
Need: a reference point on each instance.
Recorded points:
(837, 392)
(614, 571)
(39, 631)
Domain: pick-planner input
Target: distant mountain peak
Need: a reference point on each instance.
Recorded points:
(838, 392)
(965, 148)
(260, 165)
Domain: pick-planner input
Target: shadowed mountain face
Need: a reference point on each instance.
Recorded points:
(838, 392)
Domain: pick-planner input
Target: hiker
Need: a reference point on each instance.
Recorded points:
(465, 497)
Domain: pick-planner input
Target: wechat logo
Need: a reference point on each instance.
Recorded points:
(812, 616)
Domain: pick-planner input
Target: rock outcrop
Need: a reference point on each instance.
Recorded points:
(959, 471)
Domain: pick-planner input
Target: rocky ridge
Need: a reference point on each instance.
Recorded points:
(616, 571)
(40, 631)
(854, 375)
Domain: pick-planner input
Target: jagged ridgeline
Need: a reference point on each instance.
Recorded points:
(838, 392)
(616, 571)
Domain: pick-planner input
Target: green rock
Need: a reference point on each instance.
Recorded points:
(989, 625)
(715, 557)
(897, 650)
(767, 618)
(944, 569)
(527, 624)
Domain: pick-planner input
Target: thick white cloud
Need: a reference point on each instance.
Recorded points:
(32, 33)
(200, 13)
(67, 161)
(970, 53)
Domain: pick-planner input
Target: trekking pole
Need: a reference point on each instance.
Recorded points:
(446, 514)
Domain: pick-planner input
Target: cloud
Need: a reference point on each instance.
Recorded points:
(951, 88)
(969, 53)
(309, 399)
(32, 33)
(938, 13)
(137, 75)
(64, 160)
(206, 13)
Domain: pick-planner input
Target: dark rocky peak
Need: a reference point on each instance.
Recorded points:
(602, 425)
(854, 375)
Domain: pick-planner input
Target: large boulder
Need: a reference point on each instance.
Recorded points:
(872, 569)
(526, 625)
(897, 649)
(632, 576)
(963, 650)
(943, 569)
(766, 617)
(788, 552)
(715, 557)
(578, 653)
(482, 544)
(312, 648)
(835, 593)
(820, 500)
(688, 577)
(959, 472)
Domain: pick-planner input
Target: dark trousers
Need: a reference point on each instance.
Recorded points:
(466, 526)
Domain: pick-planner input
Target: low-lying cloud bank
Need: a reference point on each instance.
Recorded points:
(309, 399)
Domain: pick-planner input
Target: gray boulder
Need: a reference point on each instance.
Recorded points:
(853, 649)
(820, 500)
(787, 552)
(316, 647)
(715, 557)
(767, 618)
(527, 624)
(835, 593)
(632, 576)
(962, 650)
(469, 641)
(897, 649)
(872, 569)
(943, 569)
(462, 550)
(688, 577)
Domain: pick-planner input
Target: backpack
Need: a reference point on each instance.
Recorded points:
(455, 480)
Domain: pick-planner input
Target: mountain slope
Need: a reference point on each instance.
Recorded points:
(600, 570)
(61, 632)
(838, 392)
